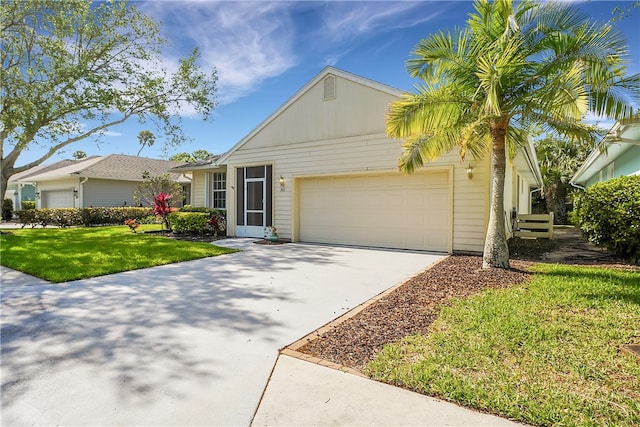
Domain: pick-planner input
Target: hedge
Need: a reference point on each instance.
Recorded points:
(189, 222)
(608, 213)
(86, 217)
(198, 220)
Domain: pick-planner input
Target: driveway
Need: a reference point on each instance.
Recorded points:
(184, 344)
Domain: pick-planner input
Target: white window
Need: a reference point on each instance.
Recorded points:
(218, 190)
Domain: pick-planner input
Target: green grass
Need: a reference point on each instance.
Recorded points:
(544, 353)
(60, 255)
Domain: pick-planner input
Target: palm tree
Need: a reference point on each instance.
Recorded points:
(559, 160)
(514, 66)
(146, 138)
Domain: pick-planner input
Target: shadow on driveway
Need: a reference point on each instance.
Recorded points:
(190, 343)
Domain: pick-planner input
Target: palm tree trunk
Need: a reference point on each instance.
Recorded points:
(496, 251)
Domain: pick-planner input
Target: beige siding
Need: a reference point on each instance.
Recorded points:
(354, 155)
(356, 110)
(314, 138)
(198, 188)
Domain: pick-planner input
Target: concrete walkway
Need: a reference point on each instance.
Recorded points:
(185, 344)
(301, 393)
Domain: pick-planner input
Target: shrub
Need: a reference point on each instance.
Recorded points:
(28, 204)
(7, 209)
(217, 218)
(62, 217)
(218, 222)
(86, 217)
(608, 214)
(189, 222)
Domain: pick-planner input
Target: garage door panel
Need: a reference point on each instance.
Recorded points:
(57, 199)
(396, 211)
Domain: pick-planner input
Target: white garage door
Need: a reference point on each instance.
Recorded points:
(57, 199)
(382, 210)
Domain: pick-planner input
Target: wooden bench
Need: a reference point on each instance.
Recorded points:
(534, 226)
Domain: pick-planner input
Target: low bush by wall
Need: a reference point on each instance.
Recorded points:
(198, 220)
(608, 214)
(217, 223)
(189, 222)
(85, 217)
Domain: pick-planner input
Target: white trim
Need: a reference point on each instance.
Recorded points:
(207, 197)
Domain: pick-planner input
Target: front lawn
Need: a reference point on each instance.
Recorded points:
(60, 255)
(544, 353)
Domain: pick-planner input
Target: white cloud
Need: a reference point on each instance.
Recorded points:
(111, 133)
(344, 20)
(247, 42)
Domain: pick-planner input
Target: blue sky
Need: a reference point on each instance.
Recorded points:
(265, 51)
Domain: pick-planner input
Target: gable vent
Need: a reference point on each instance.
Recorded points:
(329, 87)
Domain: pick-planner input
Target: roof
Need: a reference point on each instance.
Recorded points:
(25, 175)
(621, 136)
(119, 167)
(533, 171)
(206, 163)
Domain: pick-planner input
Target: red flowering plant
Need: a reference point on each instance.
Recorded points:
(162, 208)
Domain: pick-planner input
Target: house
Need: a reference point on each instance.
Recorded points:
(99, 181)
(322, 169)
(618, 154)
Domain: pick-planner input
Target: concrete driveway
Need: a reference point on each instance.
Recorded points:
(185, 344)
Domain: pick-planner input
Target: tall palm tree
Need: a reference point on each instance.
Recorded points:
(514, 66)
(146, 138)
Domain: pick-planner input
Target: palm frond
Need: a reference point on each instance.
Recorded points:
(421, 149)
(425, 112)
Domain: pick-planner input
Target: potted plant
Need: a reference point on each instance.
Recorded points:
(271, 233)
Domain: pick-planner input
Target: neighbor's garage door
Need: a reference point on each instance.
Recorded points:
(57, 199)
(382, 210)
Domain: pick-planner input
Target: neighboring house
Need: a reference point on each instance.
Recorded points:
(322, 169)
(618, 154)
(98, 181)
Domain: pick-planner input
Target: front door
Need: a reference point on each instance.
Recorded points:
(254, 201)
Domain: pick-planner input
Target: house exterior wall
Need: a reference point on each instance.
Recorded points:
(356, 110)
(198, 188)
(627, 163)
(372, 153)
(107, 193)
(19, 193)
(346, 135)
(70, 183)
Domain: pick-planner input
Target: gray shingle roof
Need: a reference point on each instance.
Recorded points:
(113, 166)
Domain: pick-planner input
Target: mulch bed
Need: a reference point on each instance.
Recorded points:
(413, 306)
(410, 309)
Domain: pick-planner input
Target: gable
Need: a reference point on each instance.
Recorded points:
(334, 104)
(353, 110)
